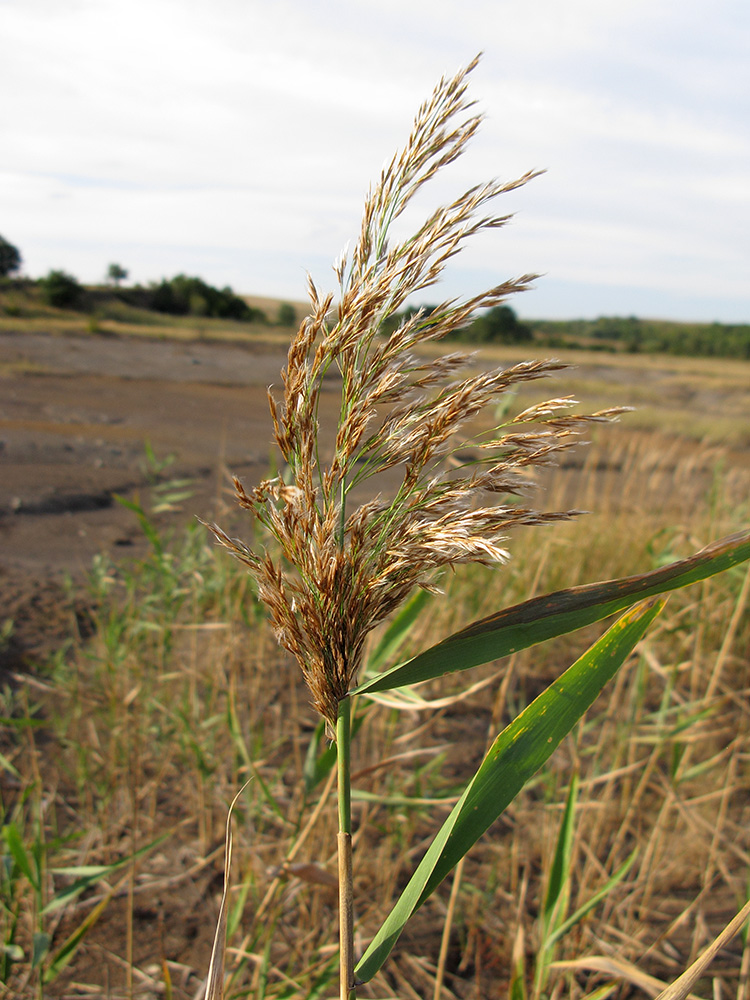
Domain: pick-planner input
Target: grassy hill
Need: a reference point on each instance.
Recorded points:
(130, 311)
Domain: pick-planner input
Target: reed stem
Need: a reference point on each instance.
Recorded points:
(344, 841)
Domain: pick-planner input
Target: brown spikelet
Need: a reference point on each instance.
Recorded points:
(337, 569)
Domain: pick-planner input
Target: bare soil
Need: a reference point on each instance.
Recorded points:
(76, 413)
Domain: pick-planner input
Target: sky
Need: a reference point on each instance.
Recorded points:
(236, 140)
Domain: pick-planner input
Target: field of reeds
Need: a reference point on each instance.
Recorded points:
(123, 752)
(623, 855)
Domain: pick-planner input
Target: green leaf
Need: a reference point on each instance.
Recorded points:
(20, 854)
(89, 875)
(6, 765)
(269, 796)
(598, 896)
(67, 950)
(554, 908)
(517, 753)
(25, 722)
(320, 762)
(147, 527)
(556, 614)
(39, 948)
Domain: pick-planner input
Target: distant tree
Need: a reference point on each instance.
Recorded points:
(60, 289)
(499, 326)
(286, 316)
(183, 296)
(162, 299)
(116, 273)
(10, 258)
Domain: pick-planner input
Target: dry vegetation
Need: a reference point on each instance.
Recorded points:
(173, 692)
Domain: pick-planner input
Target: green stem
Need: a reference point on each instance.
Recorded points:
(346, 895)
(342, 515)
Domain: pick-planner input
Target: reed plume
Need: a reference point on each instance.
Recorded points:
(338, 569)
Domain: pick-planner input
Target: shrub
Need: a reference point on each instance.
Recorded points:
(188, 296)
(499, 325)
(286, 316)
(60, 289)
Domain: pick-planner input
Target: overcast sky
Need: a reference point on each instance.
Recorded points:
(235, 140)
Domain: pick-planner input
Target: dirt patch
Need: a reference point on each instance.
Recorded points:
(75, 416)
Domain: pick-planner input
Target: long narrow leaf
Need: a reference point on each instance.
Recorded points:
(598, 896)
(69, 947)
(39, 948)
(556, 614)
(88, 876)
(319, 763)
(557, 897)
(147, 527)
(6, 765)
(19, 854)
(559, 874)
(517, 753)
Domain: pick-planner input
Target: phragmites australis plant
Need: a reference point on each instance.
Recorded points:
(339, 570)
(334, 568)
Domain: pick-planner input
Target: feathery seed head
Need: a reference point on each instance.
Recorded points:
(338, 568)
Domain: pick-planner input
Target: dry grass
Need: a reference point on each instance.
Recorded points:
(132, 739)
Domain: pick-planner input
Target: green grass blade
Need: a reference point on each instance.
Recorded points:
(6, 765)
(560, 871)
(88, 876)
(517, 753)
(147, 527)
(18, 852)
(67, 950)
(269, 796)
(320, 762)
(598, 896)
(556, 614)
(39, 948)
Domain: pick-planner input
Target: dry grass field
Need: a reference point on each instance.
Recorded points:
(159, 690)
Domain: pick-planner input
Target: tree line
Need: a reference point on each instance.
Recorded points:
(184, 295)
(628, 334)
(644, 336)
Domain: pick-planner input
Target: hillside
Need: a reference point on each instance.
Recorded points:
(131, 311)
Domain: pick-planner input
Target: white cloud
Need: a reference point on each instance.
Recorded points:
(253, 129)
